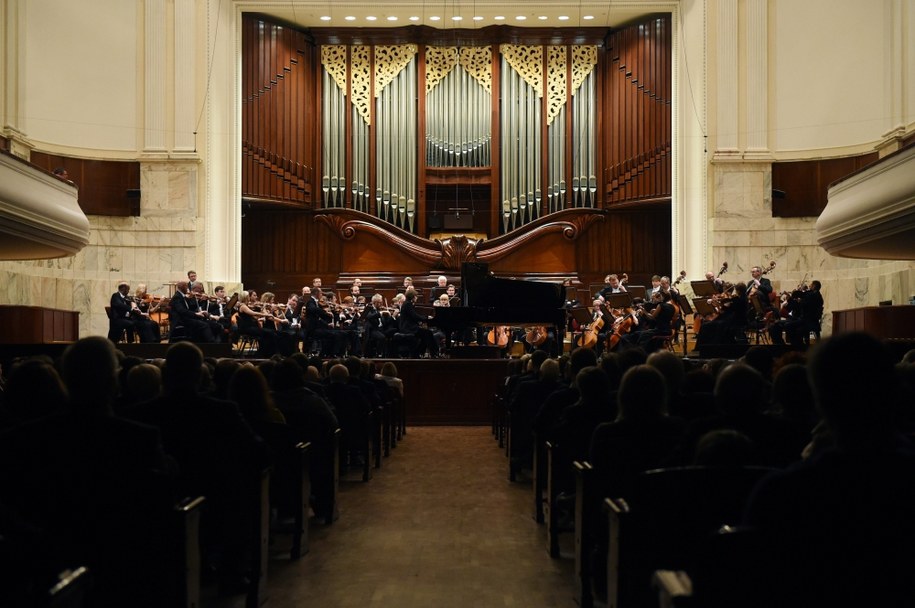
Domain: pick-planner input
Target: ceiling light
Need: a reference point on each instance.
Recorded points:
(414, 18)
(434, 18)
(325, 18)
(520, 18)
(392, 18)
(370, 18)
(588, 17)
(499, 18)
(457, 18)
(563, 17)
(350, 18)
(478, 18)
(543, 17)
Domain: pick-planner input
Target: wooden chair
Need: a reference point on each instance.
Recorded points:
(294, 496)
(260, 540)
(665, 520)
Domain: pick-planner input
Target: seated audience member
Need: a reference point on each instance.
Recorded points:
(524, 406)
(350, 406)
(839, 525)
(34, 390)
(388, 375)
(98, 485)
(547, 417)
(725, 448)
(144, 382)
(218, 455)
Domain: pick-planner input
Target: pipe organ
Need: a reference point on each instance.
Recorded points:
(541, 125)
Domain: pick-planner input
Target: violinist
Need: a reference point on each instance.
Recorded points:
(348, 322)
(660, 319)
(319, 325)
(251, 315)
(292, 314)
(277, 323)
(373, 322)
(119, 317)
(148, 328)
(655, 286)
(221, 314)
(185, 314)
(805, 310)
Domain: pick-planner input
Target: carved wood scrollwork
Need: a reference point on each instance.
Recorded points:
(448, 254)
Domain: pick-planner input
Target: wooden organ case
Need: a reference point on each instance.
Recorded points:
(540, 152)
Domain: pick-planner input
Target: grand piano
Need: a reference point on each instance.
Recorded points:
(491, 300)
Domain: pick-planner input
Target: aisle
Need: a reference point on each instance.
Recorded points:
(439, 525)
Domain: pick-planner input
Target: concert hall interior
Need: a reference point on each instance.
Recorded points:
(525, 151)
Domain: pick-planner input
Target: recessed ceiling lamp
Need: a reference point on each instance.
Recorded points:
(434, 18)
(588, 17)
(370, 18)
(478, 18)
(543, 17)
(392, 18)
(520, 18)
(563, 17)
(325, 17)
(414, 18)
(350, 18)
(499, 18)
(457, 18)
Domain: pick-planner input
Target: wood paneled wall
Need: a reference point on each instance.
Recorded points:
(635, 113)
(106, 187)
(800, 188)
(279, 121)
(634, 242)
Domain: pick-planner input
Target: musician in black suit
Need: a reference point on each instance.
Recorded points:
(319, 325)
(120, 319)
(374, 326)
(220, 313)
(759, 287)
(409, 324)
(184, 312)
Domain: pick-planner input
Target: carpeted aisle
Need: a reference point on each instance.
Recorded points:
(439, 525)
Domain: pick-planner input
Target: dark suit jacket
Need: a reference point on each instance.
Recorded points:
(409, 319)
(182, 309)
(317, 317)
(120, 307)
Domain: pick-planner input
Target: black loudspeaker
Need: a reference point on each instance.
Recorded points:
(434, 222)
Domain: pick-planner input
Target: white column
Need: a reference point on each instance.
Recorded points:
(222, 192)
(894, 66)
(689, 204)
(757, 77)
(185, 72)
(12, 22)
(154, 83)
(727, 83)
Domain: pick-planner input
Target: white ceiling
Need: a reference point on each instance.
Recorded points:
(450, 14)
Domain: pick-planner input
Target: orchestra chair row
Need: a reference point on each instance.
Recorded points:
(664, 524)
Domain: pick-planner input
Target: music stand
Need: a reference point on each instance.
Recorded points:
(685, 308)
(704, 289)
(703, 307)
(637, 291)
(233, 301)
(619, 300)
(582, 315)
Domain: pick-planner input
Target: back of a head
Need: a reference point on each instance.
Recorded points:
(34, 389)
(312, 374)
(338, 374)
(144, 381)
(854, 382)
(580, 359)
(90, 372)
(740, 389)
(287, 375)
(761, 358)
(537, 359)
(725, 448)
(642, 394)
(671, 367)
(248, 388)
(354, 366)
(183, 363)
(549, 370)
(389, 369)
(791, 392)
(593, 384)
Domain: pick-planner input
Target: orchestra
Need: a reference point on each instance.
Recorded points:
(364, 323)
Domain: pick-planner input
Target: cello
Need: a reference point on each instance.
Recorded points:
(536, 335)
(589, 339)
(498, 336)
